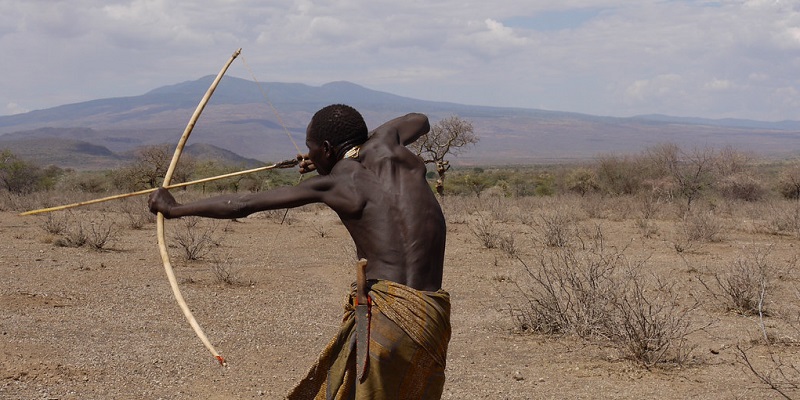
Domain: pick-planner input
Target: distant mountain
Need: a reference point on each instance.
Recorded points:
(64, 152)
(51, 146)
(240, 119)
(725, 122)
(203, 151)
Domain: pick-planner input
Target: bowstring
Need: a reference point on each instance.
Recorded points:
(274, 110)
(277, 116)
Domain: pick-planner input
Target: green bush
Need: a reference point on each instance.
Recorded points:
(20, 177)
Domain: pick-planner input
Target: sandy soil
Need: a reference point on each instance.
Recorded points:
(77, 323)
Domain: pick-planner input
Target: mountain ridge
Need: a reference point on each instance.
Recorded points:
(240, 119)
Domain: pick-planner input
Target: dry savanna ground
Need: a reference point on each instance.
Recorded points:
(553, 298)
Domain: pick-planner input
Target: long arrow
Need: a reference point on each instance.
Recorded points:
(282, 164)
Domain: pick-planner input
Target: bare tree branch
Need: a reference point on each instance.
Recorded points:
(449, 136)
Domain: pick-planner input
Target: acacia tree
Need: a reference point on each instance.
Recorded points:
(691, 173)
(448, 137)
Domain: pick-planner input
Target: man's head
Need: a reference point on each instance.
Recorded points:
(332, 131)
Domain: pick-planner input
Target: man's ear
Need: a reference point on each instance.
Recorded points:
(327, 148)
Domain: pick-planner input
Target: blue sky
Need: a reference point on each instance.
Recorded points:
(714, 59)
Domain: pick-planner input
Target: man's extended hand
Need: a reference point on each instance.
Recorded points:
(306, 165)
(161, 201)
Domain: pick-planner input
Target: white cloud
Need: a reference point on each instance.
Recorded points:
(659, 86)
(14, 108)
(488, 38)
(787, 97)
(332, 31)
(411, 74)
(715, 59)
(792, 37)
(718, 84)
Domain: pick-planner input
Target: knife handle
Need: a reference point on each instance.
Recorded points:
(361, 282)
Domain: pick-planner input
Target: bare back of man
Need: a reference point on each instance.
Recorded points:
(400, 229)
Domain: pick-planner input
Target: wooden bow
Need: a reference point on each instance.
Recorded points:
(162, 242)
(166, 184)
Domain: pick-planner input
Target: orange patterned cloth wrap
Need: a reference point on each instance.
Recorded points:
(409, 333)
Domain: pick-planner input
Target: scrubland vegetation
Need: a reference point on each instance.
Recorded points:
(709, 235)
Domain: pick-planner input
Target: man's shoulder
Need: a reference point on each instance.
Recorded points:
(383, 143)
(383, 135)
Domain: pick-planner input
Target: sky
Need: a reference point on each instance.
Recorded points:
(711, 59)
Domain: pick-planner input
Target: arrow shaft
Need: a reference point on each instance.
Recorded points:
(282, 164)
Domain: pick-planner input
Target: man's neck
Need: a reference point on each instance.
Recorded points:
(352, 153)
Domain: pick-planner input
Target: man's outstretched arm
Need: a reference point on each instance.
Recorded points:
(228, 206)
(319, 189)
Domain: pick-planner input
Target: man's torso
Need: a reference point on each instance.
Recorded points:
(401, 229)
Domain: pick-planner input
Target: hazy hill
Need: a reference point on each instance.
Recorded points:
(240, 119)
(52, 146)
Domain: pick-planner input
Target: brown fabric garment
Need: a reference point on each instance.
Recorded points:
(409, 333)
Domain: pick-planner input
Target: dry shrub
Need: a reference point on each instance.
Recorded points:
(557, 227)
(789, 181)
(97, 233)
(227, 271)
(647, 227)
(196, 237)
(8, 201)
(618, 175)
(55, 223)
(569, 292)
(73, 236)
(485, 222)
(618, 208)
(85, 182)
(741, 186)
(743, 287)
(595, 206)
(497, 191)
(783, 217)
(596, 293)
(136, 213)
(45, 199)
(20, 201)
(484, 229)
(508, 244)
(697, 228)
(649, 204)
(274, 215)
(501, 209)
(703, 227)
(102, 232)
(458, 209)
(60, 224)
(780, 375)
(320, 229)
(648, 324)
(746, 285)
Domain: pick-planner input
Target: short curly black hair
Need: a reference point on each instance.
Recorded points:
(341, 125)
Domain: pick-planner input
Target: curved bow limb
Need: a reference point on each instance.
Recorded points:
(162, 242)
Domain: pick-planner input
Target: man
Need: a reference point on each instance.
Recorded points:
(378, 188)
